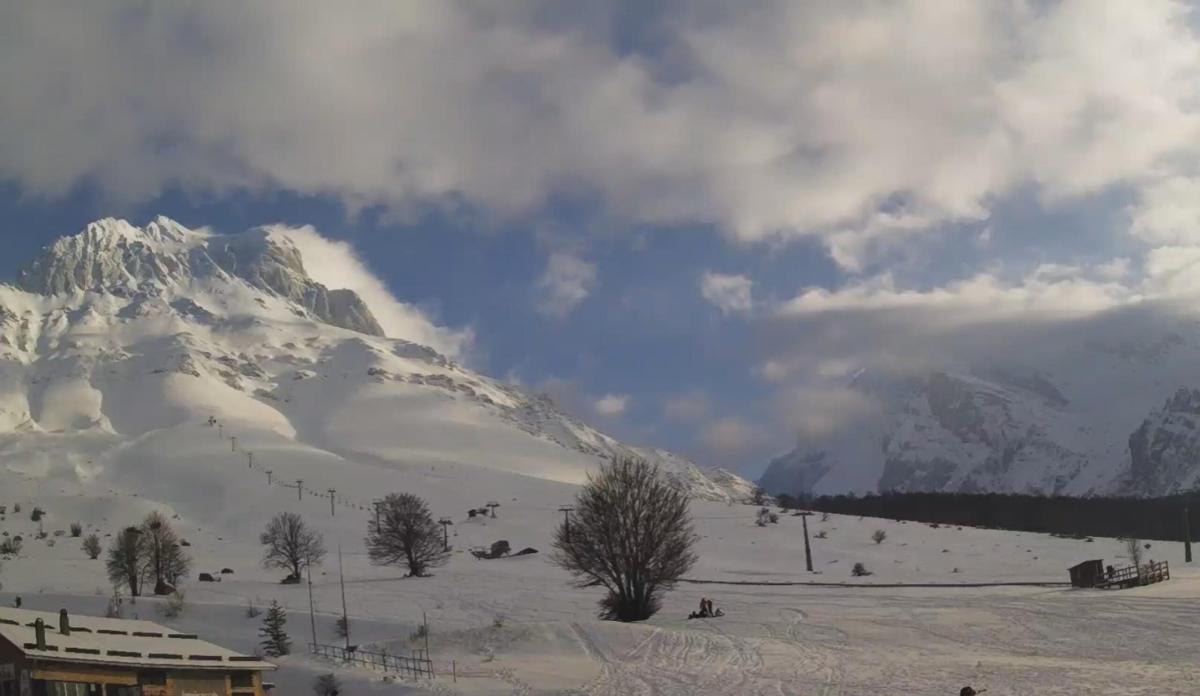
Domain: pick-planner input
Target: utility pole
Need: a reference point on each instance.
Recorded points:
(331, 492)
(220, 430)
(1187, 536)
(233, 443)
(249, 460)
(312, 612)
(299, 489)
(377, 503)
(269, 472)
(807, 550)
(446, 522)
(342, 579)
(566, 511)
(493, 505)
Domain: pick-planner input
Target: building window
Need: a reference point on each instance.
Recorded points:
(241, 680)
(64, 688)
(152, 678)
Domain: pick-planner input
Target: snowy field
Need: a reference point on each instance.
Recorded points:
(517, 626)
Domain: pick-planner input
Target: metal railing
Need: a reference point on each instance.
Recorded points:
(417, 666)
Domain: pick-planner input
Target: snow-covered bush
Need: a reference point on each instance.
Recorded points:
(822, 534)
(859, 570)
(76, 529)
(174, 605)
(878, 536)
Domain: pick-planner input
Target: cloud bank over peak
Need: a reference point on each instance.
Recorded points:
(854, 123)
(335, 265)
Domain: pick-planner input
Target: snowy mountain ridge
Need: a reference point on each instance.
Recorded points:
(1081, 416)
(119, 334)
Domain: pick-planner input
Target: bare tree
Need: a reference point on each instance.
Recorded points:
(167, 560)
(1133, 551)
(291, 544)
(127, 560)
(632, 535)
(91, 546)
(406, 534)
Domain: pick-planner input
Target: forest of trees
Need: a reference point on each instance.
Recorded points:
(1143, 518)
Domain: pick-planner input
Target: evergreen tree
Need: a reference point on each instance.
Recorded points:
(274, 632)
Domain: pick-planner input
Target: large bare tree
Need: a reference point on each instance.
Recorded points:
(631, 534)
(126, 562)
(291, 544)
(167, 560)
(406, 534)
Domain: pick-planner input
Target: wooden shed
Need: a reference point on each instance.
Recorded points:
(46, 654)
(1087, 574)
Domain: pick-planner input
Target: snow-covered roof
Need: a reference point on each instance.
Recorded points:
(96, 640)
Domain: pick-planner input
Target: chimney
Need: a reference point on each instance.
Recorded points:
(64, 622)
(39, 631)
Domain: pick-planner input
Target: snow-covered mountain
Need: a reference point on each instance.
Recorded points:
(117, 337)
(1088, 410)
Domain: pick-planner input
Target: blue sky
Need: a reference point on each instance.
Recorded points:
(689, 225)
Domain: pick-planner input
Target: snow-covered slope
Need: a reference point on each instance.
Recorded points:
(1080, 415)
(115, 339)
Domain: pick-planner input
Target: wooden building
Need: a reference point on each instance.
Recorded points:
(46, 654)
(1087, 574)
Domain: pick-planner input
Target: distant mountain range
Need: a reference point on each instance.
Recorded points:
(1086, 413)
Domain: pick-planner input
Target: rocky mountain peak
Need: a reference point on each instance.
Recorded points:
(115, 257)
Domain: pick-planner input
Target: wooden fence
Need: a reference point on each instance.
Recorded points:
(1133, 576)
(417, 667)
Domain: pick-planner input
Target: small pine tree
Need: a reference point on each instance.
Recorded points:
(91, 546)
(879, 536)
(76, 529)
(274, 632)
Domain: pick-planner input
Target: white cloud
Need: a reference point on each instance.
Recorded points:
(859, 123)
(335, 264)
(567, 282)
(611, 405)
(1168, 212)
(729, 293)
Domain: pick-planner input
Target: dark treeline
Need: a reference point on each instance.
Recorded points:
(1143, 518)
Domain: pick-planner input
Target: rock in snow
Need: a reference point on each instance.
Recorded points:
(120, 331)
